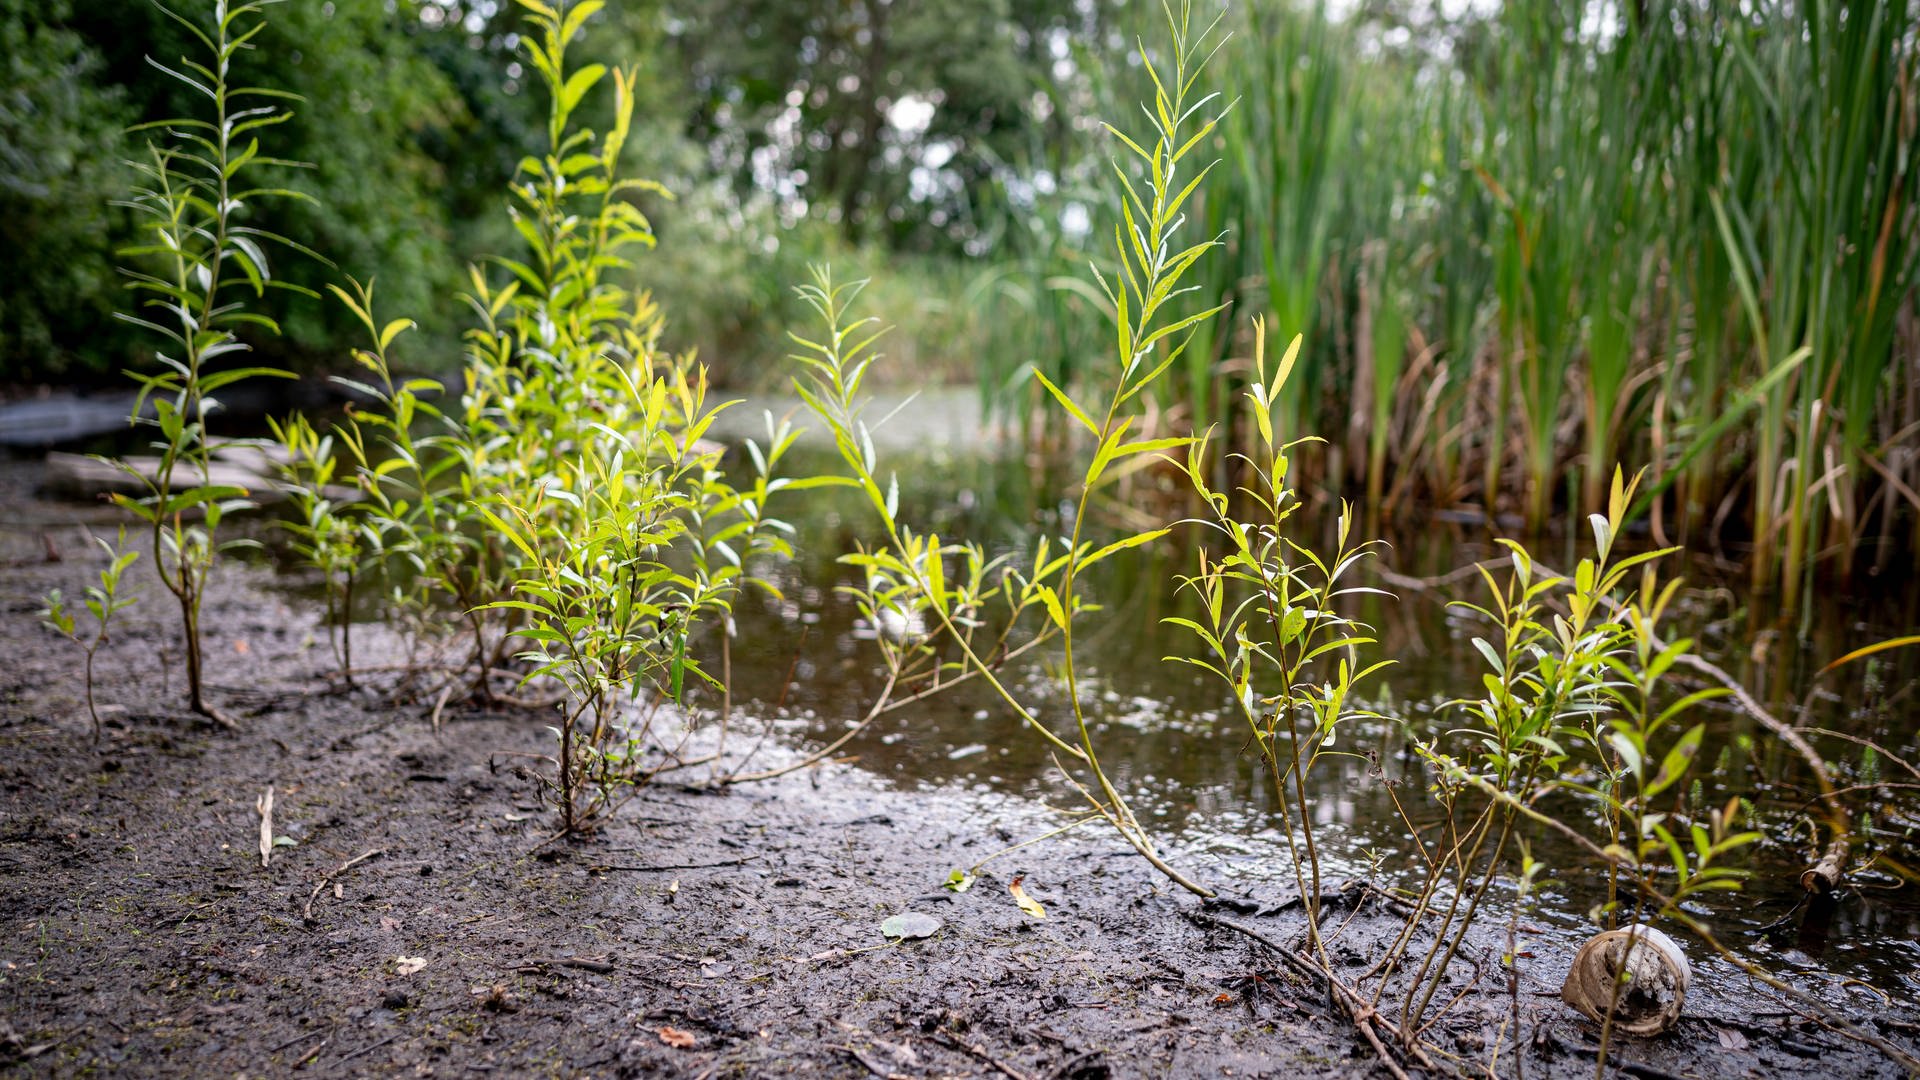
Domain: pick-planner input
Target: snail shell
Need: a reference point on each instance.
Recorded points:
(1653, 977)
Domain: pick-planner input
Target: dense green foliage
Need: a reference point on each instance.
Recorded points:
(379, 201)
(59, 123)
(563, 510)
(1570, 701)
(415, 114)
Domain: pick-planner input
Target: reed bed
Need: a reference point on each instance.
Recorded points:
(1677, 235)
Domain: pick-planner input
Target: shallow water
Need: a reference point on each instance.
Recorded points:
(1171, 745)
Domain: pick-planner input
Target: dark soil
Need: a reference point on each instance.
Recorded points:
(703, 933)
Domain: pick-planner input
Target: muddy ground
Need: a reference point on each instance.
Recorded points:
(704, 933)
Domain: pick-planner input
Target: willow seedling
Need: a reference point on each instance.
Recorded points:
(1269, 620)
(325, 534)
(604, 536)
(102, 602)
(1151, 334)
(196, 265)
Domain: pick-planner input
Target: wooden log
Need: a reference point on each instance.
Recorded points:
(253, 469)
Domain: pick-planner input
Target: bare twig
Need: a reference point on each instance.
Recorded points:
(302, 1037)
(674, 866)
(306, 913)
(439, 706)
(871, 1065)
(1000, 1066)
(1871, 745)
(1827, 874)
(584, 963)
(369, 1049)
(315, 1052)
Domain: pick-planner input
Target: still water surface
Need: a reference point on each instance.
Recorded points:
(1172, 745)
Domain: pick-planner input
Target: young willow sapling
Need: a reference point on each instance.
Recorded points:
(196, 265)
(102, 601)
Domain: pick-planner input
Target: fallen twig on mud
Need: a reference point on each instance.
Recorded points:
(1069, 1066)
(959, 1043)
(314, 1053)
(306, 913)
(584, 963)
(300, 1038)
(369, 1049)
(871, 1065)
(674, 866)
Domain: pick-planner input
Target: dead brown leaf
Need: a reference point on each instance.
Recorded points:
(1027, 903)
(679, 1040)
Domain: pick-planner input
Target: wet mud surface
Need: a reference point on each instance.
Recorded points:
(702, 934)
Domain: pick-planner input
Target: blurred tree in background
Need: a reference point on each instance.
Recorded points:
(886, 115)
(790, 129)
(61, 120)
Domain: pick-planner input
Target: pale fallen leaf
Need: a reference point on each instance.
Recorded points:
(679, 1040)
(1730, 1039)
(264, 804)
(902, 1054)
(407, 965)
(1027, 903)
(389, 923)
(242, 647)
(910, 924)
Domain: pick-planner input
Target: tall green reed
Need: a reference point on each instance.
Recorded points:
(1551, 233)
